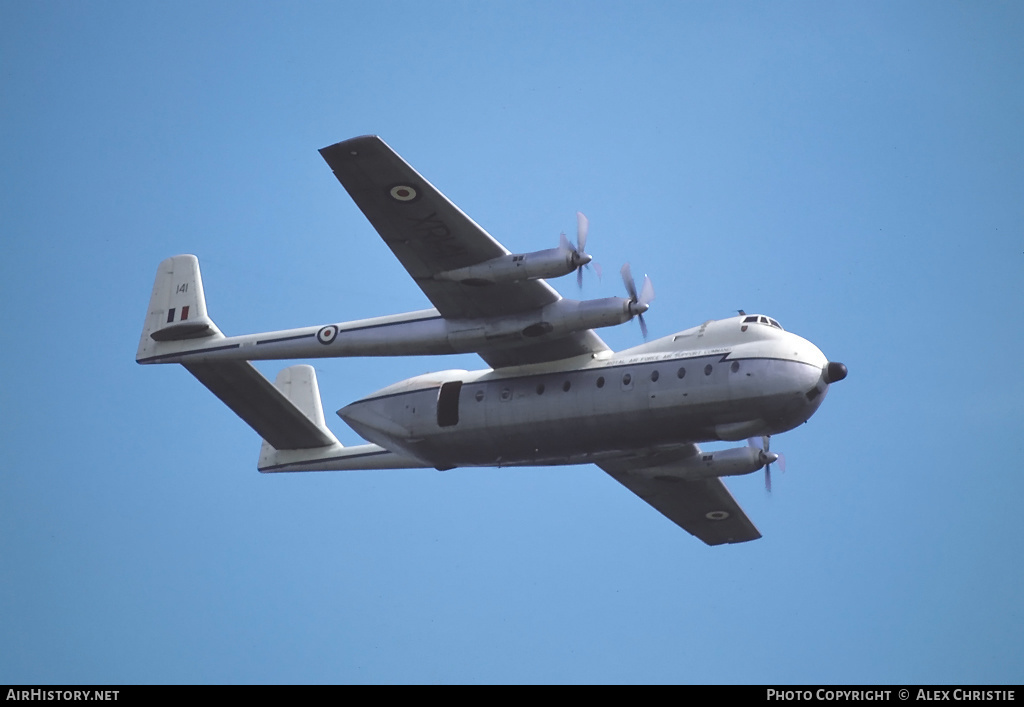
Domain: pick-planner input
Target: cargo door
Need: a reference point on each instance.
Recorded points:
(448, 404)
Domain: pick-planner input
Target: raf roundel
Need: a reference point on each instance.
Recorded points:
(327, 334)
(716, 515)
(403, 193)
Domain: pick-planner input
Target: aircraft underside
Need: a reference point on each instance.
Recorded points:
(555, 393)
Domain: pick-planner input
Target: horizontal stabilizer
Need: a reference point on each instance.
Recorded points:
(287, 416)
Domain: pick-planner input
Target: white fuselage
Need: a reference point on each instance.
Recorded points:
(721, 381)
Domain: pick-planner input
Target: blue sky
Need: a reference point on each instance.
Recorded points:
(855, 170)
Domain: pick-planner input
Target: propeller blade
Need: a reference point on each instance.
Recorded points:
(638, 303)
(764, 444)
(627, 280)
(647, 292)
(582, 227)
(579, 251)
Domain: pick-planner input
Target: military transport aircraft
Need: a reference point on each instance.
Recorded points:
(554, 394)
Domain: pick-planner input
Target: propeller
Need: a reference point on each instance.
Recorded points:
(638, 303)
(580, 258)
(768, 458)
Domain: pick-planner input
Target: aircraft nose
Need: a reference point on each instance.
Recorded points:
(834, 372)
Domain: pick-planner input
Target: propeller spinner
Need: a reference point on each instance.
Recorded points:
(580, 258)
(638, 303)
(768, 458)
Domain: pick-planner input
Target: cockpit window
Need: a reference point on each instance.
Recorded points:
(761, 319)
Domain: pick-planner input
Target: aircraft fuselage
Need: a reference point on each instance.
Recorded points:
(721, 381)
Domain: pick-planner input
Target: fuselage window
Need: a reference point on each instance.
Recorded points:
(506, 394)
(707, 370)
(600, 381)
(479, 396)
(566, 386)
(627, 379)
(540, 389)
(735, 366)
(681, 373)
(654, 376)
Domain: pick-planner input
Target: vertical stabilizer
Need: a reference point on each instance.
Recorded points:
(298, 385)
(177, 309)
(306, 444)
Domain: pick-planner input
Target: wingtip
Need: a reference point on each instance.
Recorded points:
(351, 143)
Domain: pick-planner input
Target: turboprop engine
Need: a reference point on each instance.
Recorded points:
(706, 465)
(553, 262)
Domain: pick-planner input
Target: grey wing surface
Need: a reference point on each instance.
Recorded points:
(257, 401)
(702, 507)
(430, 235)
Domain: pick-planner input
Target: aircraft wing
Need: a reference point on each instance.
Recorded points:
(430, 235)
(702, 507)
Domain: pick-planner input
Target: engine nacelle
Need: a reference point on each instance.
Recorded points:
(553, 262)
(727, 462)
(557, 319)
